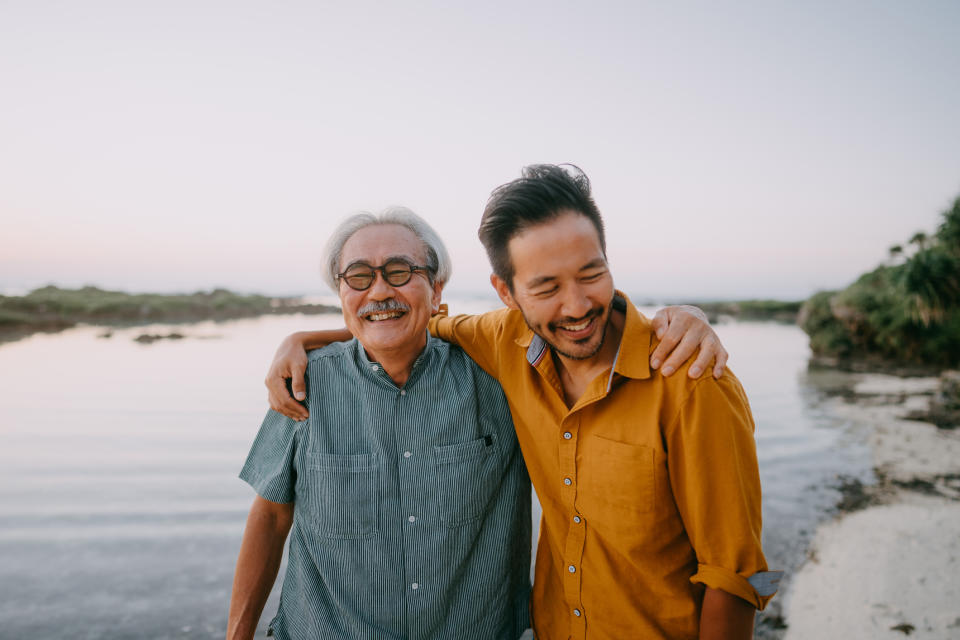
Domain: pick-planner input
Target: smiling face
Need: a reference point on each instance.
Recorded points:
(388, 321)
(561, 284)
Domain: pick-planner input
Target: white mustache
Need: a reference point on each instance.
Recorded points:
(381, 306)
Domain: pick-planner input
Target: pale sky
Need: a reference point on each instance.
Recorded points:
(737, 149)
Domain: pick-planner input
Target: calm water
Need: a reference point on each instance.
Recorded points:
(121, 513)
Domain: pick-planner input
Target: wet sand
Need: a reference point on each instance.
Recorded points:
(889, 565)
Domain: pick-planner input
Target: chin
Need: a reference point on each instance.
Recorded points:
(580, 350)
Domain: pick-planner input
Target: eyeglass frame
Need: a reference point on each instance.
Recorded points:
(430, 271)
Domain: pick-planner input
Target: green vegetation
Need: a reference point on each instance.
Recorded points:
(52, 308)
(776, 310)
(905, 312)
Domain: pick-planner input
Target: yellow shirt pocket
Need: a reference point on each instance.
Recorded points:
(616, 479)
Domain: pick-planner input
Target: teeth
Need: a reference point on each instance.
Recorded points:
(376, 317)
(576, 327)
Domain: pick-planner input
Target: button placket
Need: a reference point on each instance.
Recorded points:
(412, 501)
(573, 547)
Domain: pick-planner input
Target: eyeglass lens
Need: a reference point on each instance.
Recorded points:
(360, 276)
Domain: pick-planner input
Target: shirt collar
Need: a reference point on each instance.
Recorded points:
(373, 368)
(633, 356)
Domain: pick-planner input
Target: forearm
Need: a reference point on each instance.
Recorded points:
(257, 566)
(318, 339)
(725, 616)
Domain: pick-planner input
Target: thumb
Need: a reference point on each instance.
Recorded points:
(298, 386)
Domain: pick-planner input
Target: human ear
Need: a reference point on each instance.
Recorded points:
(500, 286)
(436, 296)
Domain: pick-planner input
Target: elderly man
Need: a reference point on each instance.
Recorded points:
(649, 483)
(405, 492)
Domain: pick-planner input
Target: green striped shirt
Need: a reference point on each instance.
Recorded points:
(411, 505)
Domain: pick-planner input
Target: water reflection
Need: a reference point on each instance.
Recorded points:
(121, 513)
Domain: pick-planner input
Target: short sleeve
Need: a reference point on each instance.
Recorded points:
(269, 467)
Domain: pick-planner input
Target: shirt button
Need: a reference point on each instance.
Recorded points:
(412, 518)
(415, 586)
(576, 519)
(374, 367)
(403, 392)
(567, 435)
(407, 454)
(567, 481)
(576, 612)
(572, 569)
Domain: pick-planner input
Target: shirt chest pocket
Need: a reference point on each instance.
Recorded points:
(468, 474)
(341, 494)
(616, 478)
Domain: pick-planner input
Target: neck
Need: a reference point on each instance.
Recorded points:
(398, 362)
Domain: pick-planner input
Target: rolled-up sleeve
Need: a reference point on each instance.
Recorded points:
(269, 468)
(712, 463)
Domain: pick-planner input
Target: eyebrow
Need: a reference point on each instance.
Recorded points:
(385, 261)
(593, 264)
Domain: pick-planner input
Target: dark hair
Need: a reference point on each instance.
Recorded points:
(542, 193)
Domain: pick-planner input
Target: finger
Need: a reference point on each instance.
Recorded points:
(721, 363)
(674, 334)
(291, 408)
(281, 402)
(704, 358)
(659, 323)
(681, 354)
(297, 385)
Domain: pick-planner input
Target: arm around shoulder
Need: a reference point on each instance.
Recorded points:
(290, 364)
(480, 336)
(685, 331)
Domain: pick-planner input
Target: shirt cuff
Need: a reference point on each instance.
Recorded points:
(757, 589)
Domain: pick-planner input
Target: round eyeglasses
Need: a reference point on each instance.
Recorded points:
(360, 275)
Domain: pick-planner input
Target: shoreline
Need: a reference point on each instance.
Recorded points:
(886, 565)
(51, 309)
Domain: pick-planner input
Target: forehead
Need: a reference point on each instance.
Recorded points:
(566, 242)
(376, 243)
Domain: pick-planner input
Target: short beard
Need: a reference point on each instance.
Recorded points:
(558, 351)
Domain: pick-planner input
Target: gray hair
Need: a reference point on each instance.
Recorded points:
(438, 260)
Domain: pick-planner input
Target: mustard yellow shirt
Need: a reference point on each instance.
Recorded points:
(649, 485)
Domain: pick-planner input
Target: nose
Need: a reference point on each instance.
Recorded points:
(380, 289)
(575, 303)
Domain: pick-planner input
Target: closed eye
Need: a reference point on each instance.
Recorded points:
(545, 292)
(593, 277)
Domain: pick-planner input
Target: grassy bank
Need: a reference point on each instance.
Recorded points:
(903, 313)
(52, 308)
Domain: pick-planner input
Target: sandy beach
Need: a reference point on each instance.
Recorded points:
(888, 566)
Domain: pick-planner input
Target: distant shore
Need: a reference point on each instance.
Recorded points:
(54, 309)
(887, 565)
(785, 311)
